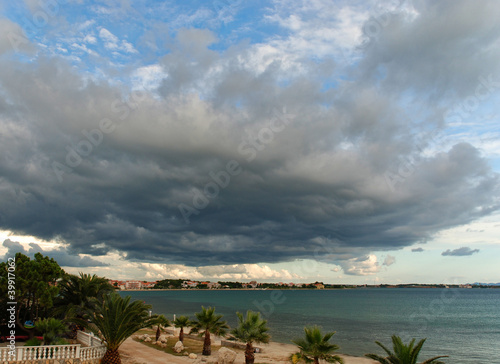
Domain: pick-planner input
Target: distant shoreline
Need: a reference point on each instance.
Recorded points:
(302, 289)
(234, 289)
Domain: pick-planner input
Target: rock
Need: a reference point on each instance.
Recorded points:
(147, 340)
(193, 356)
(185, 353)
(211, 360)
(226, 356)
(163, 338)
(178, 347)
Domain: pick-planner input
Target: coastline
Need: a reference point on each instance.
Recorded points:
(231, 289)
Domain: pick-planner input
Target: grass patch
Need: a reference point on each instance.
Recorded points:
(191, 346)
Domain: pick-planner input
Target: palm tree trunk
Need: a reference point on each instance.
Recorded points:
(249, 355)
(181, 335)
(111, 357)
(207, 347)
(158, 333)
(316, 360)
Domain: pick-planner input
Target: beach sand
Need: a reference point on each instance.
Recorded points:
(134, 352)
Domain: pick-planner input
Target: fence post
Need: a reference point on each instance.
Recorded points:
(19, 354)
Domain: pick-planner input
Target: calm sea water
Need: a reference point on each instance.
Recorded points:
(461, 323)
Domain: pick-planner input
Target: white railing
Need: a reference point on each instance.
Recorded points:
(4, 355)
(94, 349)
(48, 352)
(93, 352)
(87, 339)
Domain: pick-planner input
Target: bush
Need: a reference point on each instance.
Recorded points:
(52, 329)
(33, 342)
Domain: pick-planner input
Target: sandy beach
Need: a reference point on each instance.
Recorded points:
(134, 352)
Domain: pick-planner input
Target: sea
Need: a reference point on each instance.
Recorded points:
(461, 323)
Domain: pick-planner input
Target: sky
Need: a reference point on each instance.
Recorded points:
(297, 141)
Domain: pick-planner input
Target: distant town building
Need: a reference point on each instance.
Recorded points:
(133, 285)
(189, 284)
(148, 285)
(213, 285)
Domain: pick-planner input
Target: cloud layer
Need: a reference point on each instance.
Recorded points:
(258, 152)
(61, 255)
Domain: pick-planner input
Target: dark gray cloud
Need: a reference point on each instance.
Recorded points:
(460, 252)
(265, 164)
(417, 250)
(63, 257)
(439, 48)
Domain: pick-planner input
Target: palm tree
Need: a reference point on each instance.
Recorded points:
(208, 322)
(182, 322)
(116, 319)
(403, 354)
(78, 293)
(161, 321)
(52, 329)
(251, 329)
(315, 346)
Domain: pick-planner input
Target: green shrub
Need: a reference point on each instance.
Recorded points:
(33, 342)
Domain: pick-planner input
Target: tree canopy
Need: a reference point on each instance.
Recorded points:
(36, 287)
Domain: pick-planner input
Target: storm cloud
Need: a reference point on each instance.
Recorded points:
(228, 162)
(61, 255)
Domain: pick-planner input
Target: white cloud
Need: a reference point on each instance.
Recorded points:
(233, 272)
(362, 266)
(162, 271)
(148, 77)
(82, 47)
(90, 39)
(127, 47)
(111, 41)
(86, 24)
